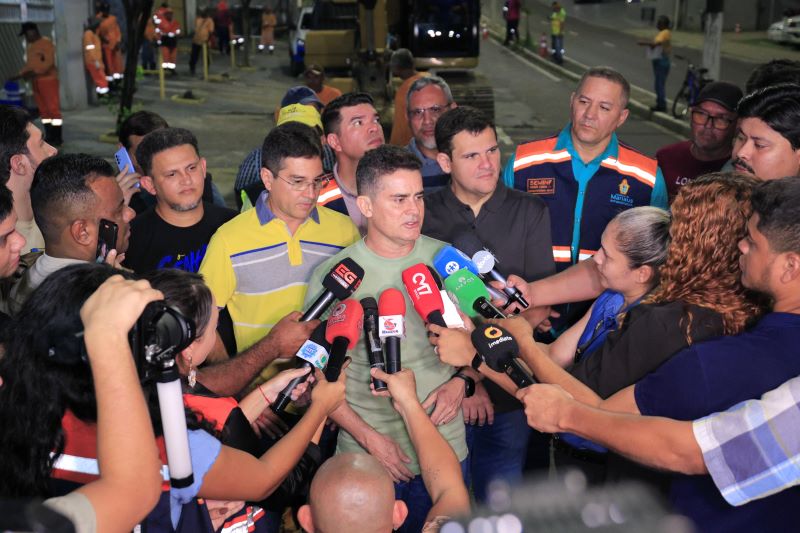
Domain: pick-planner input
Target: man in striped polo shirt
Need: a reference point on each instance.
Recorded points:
(258, 264)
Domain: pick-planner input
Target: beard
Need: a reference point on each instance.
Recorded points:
(182, 208)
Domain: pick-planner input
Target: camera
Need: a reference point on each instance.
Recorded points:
(160, 333)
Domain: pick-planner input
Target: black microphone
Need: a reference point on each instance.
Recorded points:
(342, 281)
(470, 244)
(499, 350)
(372, 340)
(316, 348)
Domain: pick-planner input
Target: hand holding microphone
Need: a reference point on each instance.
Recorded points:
(315, 352)
(471, 295)
(450, 259)
(499, 351)
(485, 261)
(342, 281)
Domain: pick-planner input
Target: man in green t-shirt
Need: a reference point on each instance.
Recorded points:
(390, 198)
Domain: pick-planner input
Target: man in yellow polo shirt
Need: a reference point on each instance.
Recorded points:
(259, 263)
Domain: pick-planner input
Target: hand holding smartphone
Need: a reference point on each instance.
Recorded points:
(124, 162)
(106, 239)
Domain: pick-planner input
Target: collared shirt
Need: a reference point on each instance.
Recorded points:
(350, 201)
(514, 225)
(584, 197)
(433, 177)
(259, 270)
(752, 450)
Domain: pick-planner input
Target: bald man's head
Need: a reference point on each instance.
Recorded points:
(352, 492)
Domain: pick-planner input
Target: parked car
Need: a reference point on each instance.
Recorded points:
(786, 31)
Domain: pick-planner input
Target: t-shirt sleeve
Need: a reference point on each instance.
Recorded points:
(77, 508)
(677, 389)
(659, 197)
(508, 171)
(217, 270)
(204, 450)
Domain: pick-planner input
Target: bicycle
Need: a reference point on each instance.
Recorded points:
(694, 82)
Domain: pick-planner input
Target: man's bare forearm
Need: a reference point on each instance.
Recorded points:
(350, 421)
(229, 378)
(653, 441)
(577, 283)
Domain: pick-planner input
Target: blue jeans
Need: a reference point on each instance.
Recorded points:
(497, 451)
(418, 501)
(660, 71)
(558, 48)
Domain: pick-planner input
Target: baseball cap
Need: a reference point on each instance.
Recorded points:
(305, 114)
(300, 95)
(28, 26)
(721, 92)
(314, 69)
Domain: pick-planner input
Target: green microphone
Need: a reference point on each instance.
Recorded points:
(469, 292)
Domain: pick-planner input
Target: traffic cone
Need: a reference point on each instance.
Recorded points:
(543, 47)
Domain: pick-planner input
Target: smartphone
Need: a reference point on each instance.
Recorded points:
(106, 239)
(123, 159)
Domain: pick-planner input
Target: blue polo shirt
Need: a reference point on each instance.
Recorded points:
(712, 376)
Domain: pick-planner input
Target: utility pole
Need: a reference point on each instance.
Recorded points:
(713, 37)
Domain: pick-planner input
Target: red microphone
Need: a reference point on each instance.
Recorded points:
(344, 328)
(424, 293)
(391, 323)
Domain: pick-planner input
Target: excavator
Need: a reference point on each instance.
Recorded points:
(353, 40)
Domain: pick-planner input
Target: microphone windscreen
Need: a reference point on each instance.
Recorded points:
(422, 289)
(436, 277)
(468, 242)
(391, 302)
(465, 288)
(484, 261)
(450, 259)
(344, 278)
(496, 345)
(346, 320)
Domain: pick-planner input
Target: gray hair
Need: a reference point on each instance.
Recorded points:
(608, 73)
(643, 236)
(426, 81)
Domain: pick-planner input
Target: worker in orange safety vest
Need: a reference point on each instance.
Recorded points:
(111, 39)
(40, 69)
(93, 56)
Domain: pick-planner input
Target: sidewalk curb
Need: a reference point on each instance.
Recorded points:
(635, 103)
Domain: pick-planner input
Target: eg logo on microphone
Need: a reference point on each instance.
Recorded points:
(345, 277)
(451, 267)
(492, 333)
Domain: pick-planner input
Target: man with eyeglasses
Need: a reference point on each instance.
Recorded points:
(428, 98)
(258, 264)
(713, 122)
(175, 232)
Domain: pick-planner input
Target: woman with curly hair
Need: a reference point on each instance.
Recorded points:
(699, 296)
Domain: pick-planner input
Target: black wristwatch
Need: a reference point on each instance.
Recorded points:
(470, 384)
(477, 361)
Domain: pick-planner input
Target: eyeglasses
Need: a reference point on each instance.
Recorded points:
(299, 184)
(434, 110)
(718, 122)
